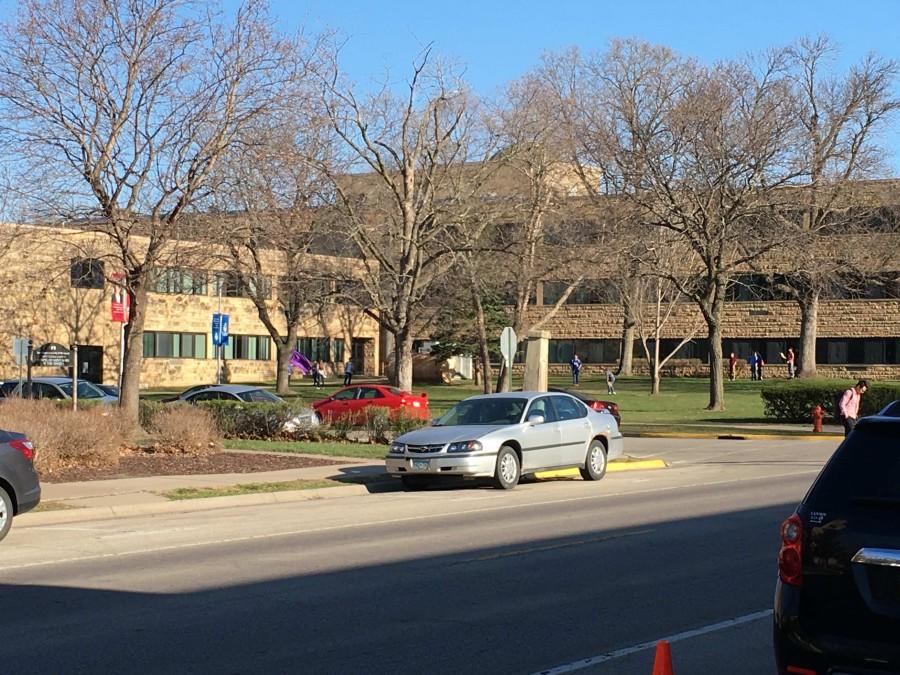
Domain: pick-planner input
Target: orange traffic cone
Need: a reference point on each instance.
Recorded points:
(662, 664)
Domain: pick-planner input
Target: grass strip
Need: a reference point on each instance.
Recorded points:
(247, 489)
(54, 506)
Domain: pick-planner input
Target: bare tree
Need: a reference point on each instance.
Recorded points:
(421, 155)
(840, 117)
(698, 150)
(123, 109)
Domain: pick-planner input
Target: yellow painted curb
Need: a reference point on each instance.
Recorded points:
(637, 465)
(733, 437)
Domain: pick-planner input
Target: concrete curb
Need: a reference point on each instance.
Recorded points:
(612, 467)
(185, 505)
(733, 437)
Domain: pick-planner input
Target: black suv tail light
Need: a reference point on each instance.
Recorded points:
(24, 446)
(790, 558)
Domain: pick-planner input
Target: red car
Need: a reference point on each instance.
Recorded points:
(355, 400)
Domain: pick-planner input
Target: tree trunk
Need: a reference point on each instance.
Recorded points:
(404, 361)
(716, 375)
(501, 377)
(809, 326)
(484, 350)
(134, 350)
(626, 356)
(285, 348)
(654, 369)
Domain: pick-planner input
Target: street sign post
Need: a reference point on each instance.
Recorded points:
(220, 326)
(120, 312)
(20, 350)
(508, 342)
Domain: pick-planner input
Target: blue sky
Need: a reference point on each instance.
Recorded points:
(498, 41)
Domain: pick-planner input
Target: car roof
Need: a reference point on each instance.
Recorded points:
(54, 380)
(229, 388)
(516, 394)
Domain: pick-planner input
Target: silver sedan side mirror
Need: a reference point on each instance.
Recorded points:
(536, 418)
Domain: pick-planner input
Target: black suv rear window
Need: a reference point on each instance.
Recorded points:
(865, 470)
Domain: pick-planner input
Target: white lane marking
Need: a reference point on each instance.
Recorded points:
(391, 521)
(644, 646)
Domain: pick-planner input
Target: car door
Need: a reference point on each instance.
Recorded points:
(340, 405)
(574, 430)
(367, 398)
(540, 442)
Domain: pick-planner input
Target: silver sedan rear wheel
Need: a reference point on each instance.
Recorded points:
(595, 462)
(507, 471)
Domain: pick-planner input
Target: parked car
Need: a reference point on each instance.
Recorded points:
(502, 436)
(243, 393)
(837, 598)
(594, 404)
(187, 392)
(353, 402)
(230, 392)
(109, 389)
(20, 490)
(55, 388)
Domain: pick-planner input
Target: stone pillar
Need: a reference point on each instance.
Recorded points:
(537, 357)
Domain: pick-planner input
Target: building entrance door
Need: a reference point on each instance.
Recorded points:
(358, 350)
(90, 363)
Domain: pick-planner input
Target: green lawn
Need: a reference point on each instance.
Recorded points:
(682, 400)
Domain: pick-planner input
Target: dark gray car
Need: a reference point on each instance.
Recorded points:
(20, 490)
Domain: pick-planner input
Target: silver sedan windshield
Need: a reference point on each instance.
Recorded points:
(488, 411)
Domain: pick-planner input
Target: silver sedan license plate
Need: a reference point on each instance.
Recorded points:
(421, 465)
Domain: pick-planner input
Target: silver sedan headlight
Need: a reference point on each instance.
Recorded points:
(465, 446)
(398, 448)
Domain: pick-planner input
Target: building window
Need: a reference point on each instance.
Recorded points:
(588, 292)
(320, 348)
(234, 286)
(87, 273)
(589, 351)
(247, 347)
(161, 345)
(178, 280)
(858, 351)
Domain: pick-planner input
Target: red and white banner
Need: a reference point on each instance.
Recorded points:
(120, 308)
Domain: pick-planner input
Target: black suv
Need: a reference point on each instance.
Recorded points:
(837, 601)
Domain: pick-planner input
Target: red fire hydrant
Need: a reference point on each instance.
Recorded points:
(818, 414)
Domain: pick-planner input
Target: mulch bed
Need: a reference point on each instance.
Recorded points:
(138, 464)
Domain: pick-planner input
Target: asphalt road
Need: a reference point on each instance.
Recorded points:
(561, 576)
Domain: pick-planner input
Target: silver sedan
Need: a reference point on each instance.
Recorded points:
(503, 436)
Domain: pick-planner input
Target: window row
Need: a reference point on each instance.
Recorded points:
(829, 351)
(321, 349)
(91, 273)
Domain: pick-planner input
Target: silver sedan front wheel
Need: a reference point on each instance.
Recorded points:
(507, 471)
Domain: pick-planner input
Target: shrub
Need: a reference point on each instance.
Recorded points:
(257, 421)
(793, 401)
(147, 412)
(186, 429)
(92, 436)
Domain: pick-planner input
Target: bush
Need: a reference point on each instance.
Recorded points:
(255, 421)
(186, 429)
(793, 401)
(92, 436)
(147, 412)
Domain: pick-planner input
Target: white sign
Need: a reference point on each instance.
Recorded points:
(20, 350)
(508, 342)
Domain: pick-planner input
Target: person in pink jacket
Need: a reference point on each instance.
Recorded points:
(848, 407)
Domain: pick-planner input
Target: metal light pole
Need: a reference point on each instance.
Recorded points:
(218, 346)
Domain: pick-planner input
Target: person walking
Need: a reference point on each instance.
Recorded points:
(575, 364)
(760, 362)
(848, 406)
(752, 361)
(791, 359)
(348, 373)
(732, 366)
(319, 374)
(610, 382)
